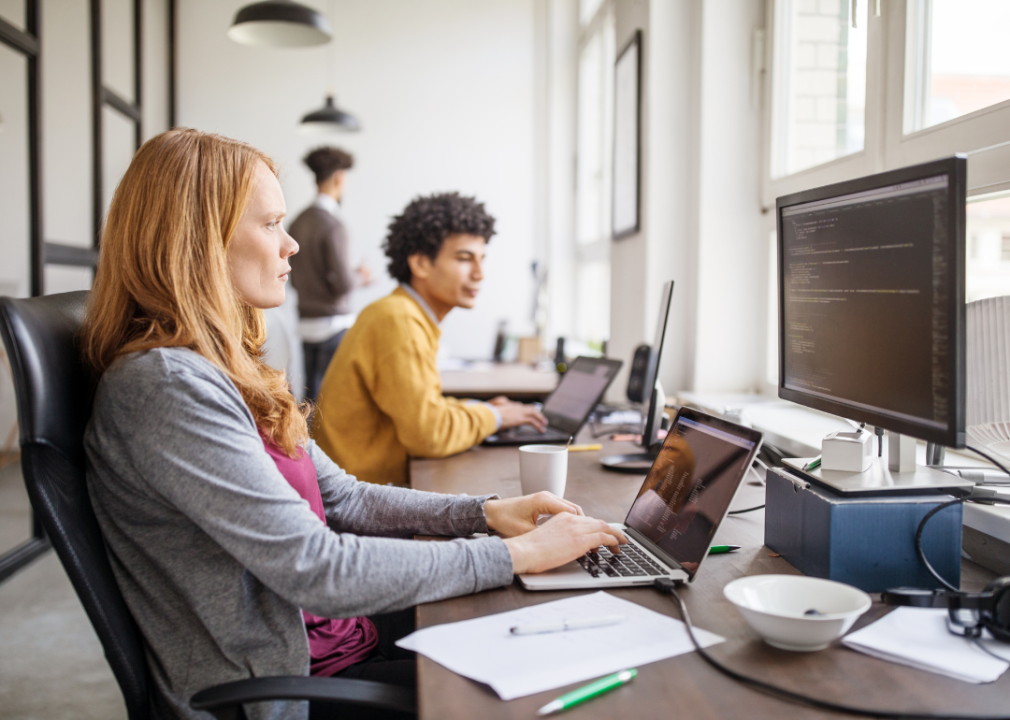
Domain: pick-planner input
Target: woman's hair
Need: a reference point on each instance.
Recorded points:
(163, 279)
(324, 161)
(426, 222)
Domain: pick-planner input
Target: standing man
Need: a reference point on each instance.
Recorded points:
(381, 400)
(320, 271)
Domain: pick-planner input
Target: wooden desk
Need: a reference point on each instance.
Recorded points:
(684, 686)
(485, 381)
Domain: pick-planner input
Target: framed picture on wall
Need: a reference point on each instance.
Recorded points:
(627, 139)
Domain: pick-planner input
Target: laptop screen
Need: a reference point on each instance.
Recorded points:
(691, 484)
(581, 387)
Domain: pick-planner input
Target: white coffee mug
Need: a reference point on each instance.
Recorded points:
(543, 467)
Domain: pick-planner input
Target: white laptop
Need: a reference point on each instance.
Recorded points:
(677, 511)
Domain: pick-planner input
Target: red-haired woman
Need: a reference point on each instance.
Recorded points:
(229, 531)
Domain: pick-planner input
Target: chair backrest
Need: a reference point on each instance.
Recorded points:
(54, 396)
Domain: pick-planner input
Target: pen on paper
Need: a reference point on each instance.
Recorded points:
(563, 625)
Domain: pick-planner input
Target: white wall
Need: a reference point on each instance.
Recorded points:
(444, 90)
(667, 246)
(700, 196)
(732, 265)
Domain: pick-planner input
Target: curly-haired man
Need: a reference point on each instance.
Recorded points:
(381, 400)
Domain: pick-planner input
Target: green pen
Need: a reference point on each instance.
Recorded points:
(588, 692)
(813, 464)
(718, 549)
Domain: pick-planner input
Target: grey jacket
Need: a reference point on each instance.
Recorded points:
(320, 270)
(215, 553)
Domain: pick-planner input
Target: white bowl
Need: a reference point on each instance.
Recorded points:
(778, 608)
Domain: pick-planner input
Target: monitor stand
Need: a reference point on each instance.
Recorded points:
(641, 462)
(884, 476)
(632, 463)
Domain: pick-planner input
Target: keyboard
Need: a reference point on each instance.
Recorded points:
(631, 562)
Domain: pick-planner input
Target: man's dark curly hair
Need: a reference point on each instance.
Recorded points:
(324, 161)
(426, 222)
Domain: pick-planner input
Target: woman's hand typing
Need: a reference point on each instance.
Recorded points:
(516, 516)
(560, 540)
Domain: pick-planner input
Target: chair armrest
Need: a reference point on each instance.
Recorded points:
(225, 701)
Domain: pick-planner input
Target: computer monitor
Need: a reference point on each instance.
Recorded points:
(653, 415)
(657, 399)
(871, 300)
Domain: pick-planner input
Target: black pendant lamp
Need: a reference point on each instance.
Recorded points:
(280, 23)
(329, 119)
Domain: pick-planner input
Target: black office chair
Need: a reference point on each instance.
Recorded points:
(54, 397)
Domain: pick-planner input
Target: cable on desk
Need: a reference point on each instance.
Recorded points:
(745, 510)
(756, 507)
(668, 587)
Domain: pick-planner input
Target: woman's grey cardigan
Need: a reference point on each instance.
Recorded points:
(215, 553)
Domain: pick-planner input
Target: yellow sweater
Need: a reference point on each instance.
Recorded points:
(381, 399)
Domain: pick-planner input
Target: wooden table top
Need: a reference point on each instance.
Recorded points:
(685, 686)
(485, 380)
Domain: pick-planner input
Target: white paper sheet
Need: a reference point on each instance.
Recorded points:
(517, 665)
(918, 637)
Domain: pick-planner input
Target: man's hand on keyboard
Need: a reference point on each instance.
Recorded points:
(515, 516)
(514, 414)
(560, 540)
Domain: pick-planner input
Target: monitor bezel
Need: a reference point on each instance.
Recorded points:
(653, 414)
(956, 168)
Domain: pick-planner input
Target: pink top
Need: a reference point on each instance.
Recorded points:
(333, 644)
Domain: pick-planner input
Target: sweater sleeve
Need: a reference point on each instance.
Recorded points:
(193, 442)
(406, 386)
(339, 276)
(370, 509)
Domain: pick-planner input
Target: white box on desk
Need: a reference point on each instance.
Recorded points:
(847, 451)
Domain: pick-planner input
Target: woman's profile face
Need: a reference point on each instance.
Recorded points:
(259, 251)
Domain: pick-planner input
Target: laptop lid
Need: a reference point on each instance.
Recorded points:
(687, 492)
(579, 391)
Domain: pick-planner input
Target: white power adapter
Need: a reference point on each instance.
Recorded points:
(847, 451)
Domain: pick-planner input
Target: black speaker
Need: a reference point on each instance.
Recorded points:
(637, 392)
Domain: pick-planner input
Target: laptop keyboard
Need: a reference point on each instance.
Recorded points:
(631, 562)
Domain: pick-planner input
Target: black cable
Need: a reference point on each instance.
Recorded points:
(745, 510)
(977, 642)
(922, 523)
(922, 526)
(990, 458)
(918, 542)
(668, 587)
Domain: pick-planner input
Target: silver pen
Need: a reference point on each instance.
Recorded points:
(563, 625)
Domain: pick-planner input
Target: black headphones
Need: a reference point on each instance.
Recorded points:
(990, 608)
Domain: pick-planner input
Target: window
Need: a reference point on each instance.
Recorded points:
(821, 83)
(956, 61)
(988, 246)
(934, 80)
(593, 174)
